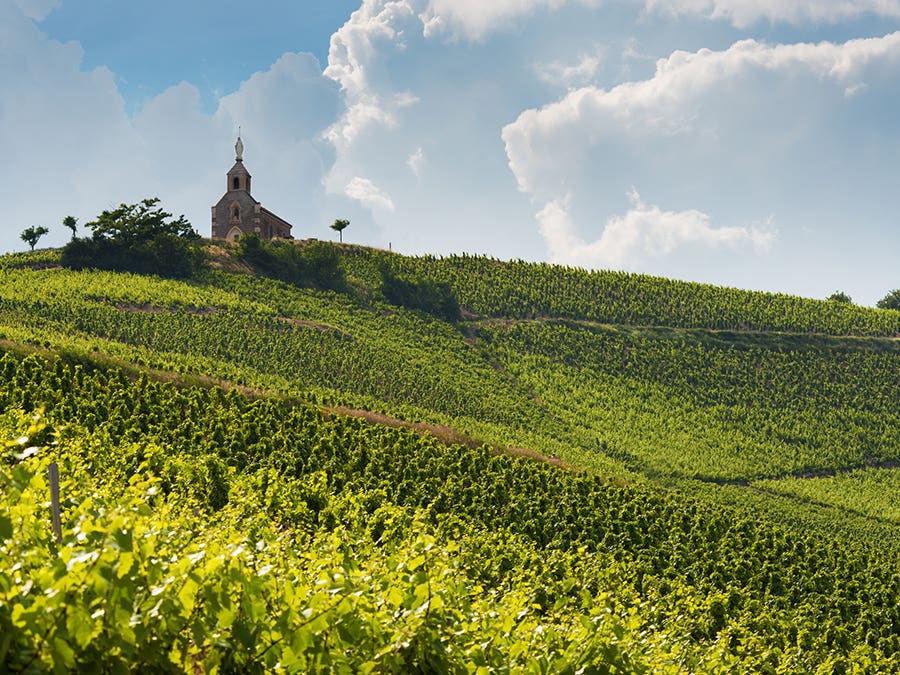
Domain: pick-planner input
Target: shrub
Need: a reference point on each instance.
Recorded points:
(428, 295)
(138, 238)
(315, 265)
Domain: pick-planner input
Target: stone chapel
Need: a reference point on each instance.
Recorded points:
(238, 213)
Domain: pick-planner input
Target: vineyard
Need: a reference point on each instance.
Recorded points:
(519, 290)
(657, 476)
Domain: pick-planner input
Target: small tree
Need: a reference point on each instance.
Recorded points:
(840, 296)
(339, 226)
(32, 235)
(891, 300)
(72, 223)
(140, 223)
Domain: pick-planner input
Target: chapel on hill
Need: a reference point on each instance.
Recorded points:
(238, 213)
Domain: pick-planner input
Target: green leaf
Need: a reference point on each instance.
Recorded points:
(63, 655)
(226, 617)
(80, 625)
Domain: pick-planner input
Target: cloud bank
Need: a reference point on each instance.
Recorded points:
(744, 13)
(699, 112)
(517, 128)
(644, 231)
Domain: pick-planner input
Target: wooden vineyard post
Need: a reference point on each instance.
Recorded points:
(53, 471)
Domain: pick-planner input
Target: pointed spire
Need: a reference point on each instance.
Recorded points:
(239, 148)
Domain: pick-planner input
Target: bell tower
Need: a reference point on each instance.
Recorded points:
(238, 213)
(238, 177)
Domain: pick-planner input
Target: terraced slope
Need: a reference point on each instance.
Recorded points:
(736, 507)
(206, 530)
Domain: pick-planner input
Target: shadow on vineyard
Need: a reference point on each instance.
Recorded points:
(353, 461)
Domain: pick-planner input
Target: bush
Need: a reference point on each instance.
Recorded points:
(840, 296)
(316, 265)
(138, 238)
(891, 300)
(428, 295)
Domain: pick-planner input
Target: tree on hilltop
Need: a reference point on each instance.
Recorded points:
(139, 238)
(840, 296)
(140, 222)
(32, 235)
(891, 300)
(72, 223)
(338, 226)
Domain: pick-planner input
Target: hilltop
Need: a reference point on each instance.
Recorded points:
(715, 484)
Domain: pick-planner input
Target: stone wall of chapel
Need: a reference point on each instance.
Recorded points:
(223, 217)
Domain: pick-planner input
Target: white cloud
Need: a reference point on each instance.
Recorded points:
(416, 162)
(718, 138)
(376, 25)
(543, 143)
(644, 232)
(474, 19)
(744, 13)
(61, 138)
(367, 193)
(359, 117)
(569, 75)
(36, 9)
(405, 99)
(749, 130)
(77, 151)
(427, 105)
(404, 91)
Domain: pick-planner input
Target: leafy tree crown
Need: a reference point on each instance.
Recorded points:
(32, 235)
(891, 300)
(140, 222)
(840, 296)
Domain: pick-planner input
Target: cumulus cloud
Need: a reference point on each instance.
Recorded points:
(643, 232)
(376, 25)
(366, 192)
(744, 13)
(431, 114)
(753, 129)
(405, 90)
(354, 62)
(731, 135)
(684, 97)
(474, 19)
(62, 138)
(76, 150)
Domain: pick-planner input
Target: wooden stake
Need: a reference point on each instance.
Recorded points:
(53, 470)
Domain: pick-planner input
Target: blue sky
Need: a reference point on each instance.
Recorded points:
(749, 143)
(214, 44)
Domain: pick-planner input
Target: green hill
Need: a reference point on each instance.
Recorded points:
(584, 472)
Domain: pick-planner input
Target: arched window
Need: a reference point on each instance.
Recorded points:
(236, 183)
(235, 212)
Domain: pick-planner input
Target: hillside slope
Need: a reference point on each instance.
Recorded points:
(734, 509)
